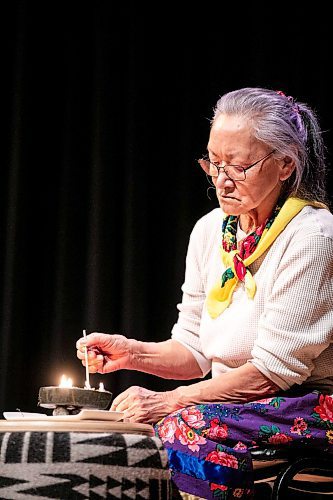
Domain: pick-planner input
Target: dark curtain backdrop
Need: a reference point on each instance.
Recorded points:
(105, 109)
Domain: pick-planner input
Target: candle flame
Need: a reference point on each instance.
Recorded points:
(65, 382)
(101, 387)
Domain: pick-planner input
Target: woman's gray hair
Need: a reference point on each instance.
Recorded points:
(290, 128)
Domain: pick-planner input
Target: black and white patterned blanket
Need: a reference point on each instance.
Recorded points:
(78, 466)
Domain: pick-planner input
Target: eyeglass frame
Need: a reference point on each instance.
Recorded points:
(220, 167)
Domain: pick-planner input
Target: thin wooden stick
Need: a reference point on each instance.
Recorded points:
(87, 383)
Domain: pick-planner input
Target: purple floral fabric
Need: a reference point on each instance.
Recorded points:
(208, 445)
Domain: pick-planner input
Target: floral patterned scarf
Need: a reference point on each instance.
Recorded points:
(236, 260)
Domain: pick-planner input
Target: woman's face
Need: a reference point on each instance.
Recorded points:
(231, 142)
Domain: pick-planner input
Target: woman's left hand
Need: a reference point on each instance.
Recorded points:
(141, 405)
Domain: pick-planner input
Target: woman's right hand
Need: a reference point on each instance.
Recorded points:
(106, 353)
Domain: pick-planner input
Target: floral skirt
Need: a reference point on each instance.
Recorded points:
(208, 445)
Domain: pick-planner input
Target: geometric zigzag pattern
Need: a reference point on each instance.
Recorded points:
(78, 466)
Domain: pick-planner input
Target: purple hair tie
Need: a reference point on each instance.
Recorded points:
(294, 105)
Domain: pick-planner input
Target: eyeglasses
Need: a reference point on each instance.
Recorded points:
(233, 172)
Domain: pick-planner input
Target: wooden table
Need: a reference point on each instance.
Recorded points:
(77, 425)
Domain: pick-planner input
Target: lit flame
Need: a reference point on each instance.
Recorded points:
(65, 382)
(101, 387)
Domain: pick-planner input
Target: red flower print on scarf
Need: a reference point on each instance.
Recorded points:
(240, 269)
(325, 408)
(248, 246)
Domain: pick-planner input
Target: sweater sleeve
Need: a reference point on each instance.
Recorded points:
(296, 325)
(187, 329)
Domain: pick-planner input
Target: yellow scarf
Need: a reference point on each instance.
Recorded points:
(219, 297)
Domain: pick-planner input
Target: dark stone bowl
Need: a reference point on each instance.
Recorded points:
(73, 398)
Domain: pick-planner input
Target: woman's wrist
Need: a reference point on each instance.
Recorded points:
(184, 396)
(171, 401)
(135, 348)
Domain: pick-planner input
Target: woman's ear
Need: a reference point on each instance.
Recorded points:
(287, 167)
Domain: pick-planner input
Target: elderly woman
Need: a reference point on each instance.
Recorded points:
(257, 306)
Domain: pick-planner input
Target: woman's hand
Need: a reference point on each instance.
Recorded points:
(106, 353)
(142, 405)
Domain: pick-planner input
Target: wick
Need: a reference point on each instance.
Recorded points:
(87, 383)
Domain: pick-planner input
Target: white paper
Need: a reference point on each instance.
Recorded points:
(20, 415)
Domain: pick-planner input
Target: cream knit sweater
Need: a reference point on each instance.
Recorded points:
(286, 331)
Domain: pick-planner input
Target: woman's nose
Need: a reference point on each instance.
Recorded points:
(222, 179)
